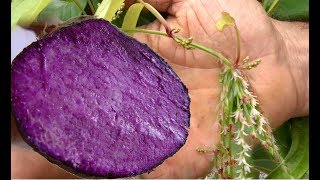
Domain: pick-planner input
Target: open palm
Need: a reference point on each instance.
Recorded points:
(272, 79)
(200, 72)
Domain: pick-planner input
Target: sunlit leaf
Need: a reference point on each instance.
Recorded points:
(63, 9)
(108, 8)
(224, 21)
(131, 18)
(306, 175)
(297, 159)
(289, 10)
(25, 12)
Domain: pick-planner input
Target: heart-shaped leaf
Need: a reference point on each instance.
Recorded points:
(224, 21)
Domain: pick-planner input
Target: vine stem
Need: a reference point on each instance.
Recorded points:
(79, 6)
(159, 17)
(210, 51)
(91, 7)
(273, 6)
(238, 46)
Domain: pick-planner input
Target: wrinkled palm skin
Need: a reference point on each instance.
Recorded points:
(200, 73)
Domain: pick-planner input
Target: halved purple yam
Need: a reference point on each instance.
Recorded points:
(97, 102)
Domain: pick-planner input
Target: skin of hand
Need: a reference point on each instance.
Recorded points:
(281, 81)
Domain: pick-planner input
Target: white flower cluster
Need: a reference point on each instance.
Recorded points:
(255, 119)
(246, 121)
(239, 140)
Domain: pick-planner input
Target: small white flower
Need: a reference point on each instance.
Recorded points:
(240, 141)
(244, 83)
(244, 133)
(254, 112)
(248, 93)
(246, 164)
(241, 174)
(253, 121)
(238, 171)
(246, 123)
(221, 114)
(224, 130)
(236, 75)
(238, 115)
(246, 154)
(243, 161)
(247, 168)
(240, 156)
(260, 129)
(240, 160)
(246, 147)
(253, 102)
(237, 133)
(263, 175)
(263, 121)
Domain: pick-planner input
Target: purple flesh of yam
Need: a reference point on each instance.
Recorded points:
(97, 102)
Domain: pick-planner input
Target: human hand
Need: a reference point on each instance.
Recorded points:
(279, 84)
(277, 81)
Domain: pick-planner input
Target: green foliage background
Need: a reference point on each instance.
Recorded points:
(293, 136)
(290, 10)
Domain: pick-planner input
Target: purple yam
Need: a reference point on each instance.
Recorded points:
(97, 102)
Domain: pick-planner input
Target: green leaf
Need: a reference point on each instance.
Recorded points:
(108, 8)
(63, 9)
(24, 12)
(224, 21)
(293, 142)
(297, 159)
(131, 18)
(145, 17)
(95, 3)
(118, 21)
(272, 7)
(262, 161)
(306, 175)
(290, 10)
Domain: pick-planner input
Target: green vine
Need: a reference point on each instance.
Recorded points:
(187, 44)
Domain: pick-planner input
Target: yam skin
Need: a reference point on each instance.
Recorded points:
(97, 102)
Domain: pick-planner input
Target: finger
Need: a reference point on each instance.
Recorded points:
(171, 7)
